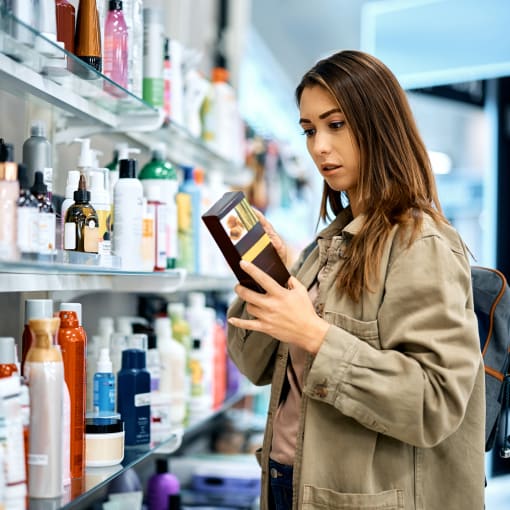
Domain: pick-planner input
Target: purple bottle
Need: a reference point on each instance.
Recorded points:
(163, 489)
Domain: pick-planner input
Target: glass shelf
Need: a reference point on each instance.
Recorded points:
(32, 63)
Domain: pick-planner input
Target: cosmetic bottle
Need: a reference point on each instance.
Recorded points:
(73, 179)
(37, 151)
(133, 14)
(9, 192)
(45, 22)
(133, 397)
(34, 309)
(153, 42)
(173, 369)
(115, 58)
(66, 22)
(72, 343)
(88, 36)
(148, 247)
(122, 151)
(100, 201)
(160, 174)
(8, 365)
(81, 231)
(167, 81)
(104, 385)
(76, 308)
(46, 221)
(161, 486)
(188, 218)
(45, 373)
(27, 215)
(128, 216)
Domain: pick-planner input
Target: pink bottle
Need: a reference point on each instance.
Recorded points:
(115, 55)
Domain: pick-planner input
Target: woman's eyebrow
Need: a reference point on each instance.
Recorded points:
(321, 116)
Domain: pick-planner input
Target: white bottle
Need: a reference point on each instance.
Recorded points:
(100, 201)
(86, 159)
(128, 217)
(173, 369)
(73, 178)
(123, 151)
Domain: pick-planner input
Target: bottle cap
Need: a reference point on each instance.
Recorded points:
(187, 172)
(23, 176)
(158, 151)
(38, 128)
(86, 159)
(196, 300)
(82, 195)
(38, 309)
(133, 358)
(176, 309)
(163, 327)
(7, 350)
(199, 176)
(73, 178)
(68, 319)
(72, 307)
(115, 5)
(6, 151)
(219, 75)
(39, 187)
(104, 363)
(127, 169)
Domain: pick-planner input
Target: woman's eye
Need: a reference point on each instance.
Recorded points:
(309, 132)
(337, 124)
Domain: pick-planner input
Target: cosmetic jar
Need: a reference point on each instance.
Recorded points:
(104, 441)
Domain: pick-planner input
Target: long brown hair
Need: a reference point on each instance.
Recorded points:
(396, 182)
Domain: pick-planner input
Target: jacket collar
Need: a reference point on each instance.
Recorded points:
(345, 224)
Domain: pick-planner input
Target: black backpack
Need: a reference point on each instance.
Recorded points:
(491, 297)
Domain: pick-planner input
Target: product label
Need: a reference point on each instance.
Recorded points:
(46, 232)
(27, 229)
(69, 236)
(104, 231)
(90, 237)
(142, 399)
(35, 459)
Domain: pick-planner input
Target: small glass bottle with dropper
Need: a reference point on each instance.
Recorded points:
(81, 231)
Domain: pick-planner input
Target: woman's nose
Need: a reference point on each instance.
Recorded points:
(321, 144)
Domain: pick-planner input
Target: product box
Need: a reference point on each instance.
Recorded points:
(240, 236)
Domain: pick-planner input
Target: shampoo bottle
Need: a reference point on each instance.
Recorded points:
(73, 345)
(9, 192)
(160, 174)
(45, 373)
(153, 42)
(37, 151)
(66, 21)
(115, 48)
(133, 397)
(128, 217)
(81, 231)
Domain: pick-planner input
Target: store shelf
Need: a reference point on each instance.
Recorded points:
(35, 276)
(34, 65)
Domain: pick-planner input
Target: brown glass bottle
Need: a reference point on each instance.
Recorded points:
(66, 20)
(88, 34)
(81, 232)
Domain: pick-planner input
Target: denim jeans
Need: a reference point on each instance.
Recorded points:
(280, 478)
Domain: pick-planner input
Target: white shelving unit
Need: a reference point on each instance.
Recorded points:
(78, 92)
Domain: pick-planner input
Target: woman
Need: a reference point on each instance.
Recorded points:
(372, 350)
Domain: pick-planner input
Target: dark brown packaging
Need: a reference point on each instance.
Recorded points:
(240, 236)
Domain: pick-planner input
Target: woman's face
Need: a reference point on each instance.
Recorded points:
(329, 140)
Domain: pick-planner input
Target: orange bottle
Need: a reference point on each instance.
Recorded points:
(72, 341)
(8, 365)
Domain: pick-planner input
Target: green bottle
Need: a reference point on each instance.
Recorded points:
(160, 173)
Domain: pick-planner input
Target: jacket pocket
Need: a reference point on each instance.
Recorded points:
(315, 498)
(367, 331)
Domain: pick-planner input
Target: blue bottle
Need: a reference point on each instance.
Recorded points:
(133, 397)
(104, 385)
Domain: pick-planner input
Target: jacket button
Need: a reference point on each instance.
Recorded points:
(321, 390)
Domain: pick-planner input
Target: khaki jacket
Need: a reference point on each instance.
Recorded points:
(393, 409)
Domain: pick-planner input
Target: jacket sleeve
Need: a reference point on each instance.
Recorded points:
(416, 387)
(253, 352)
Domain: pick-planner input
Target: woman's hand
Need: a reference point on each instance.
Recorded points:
(286, 314)
(276, 240)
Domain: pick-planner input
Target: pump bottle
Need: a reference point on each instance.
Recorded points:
(104, 385)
